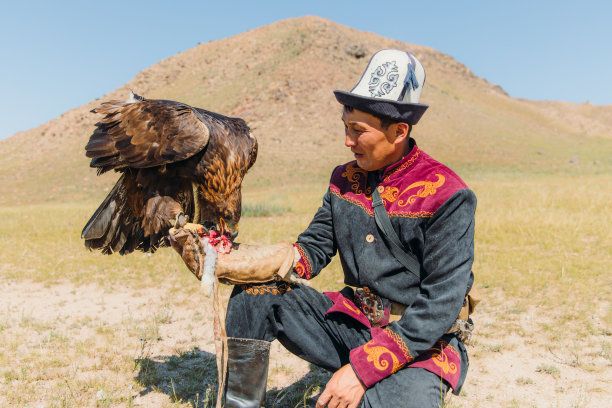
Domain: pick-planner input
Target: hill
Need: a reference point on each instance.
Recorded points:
(279, 78)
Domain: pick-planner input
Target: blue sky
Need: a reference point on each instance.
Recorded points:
(59, 55)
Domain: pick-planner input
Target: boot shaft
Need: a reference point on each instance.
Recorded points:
(247, 372)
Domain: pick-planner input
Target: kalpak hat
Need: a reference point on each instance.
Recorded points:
(390, 87)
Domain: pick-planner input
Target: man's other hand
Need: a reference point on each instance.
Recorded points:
(344, 390)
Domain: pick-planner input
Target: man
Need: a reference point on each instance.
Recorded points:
(392, 341)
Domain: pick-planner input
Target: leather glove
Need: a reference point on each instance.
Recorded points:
(186, 241)
(255, 263)
(244, 264)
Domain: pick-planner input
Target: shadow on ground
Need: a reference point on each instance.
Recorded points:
(192, 378)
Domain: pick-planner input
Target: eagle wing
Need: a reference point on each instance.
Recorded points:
(173, 158)
(142, 133)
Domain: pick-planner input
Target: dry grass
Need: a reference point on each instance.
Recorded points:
(545, 239)
(543, 269)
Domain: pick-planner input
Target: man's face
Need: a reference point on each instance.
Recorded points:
(374, 147)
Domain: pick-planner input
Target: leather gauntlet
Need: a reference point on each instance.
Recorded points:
(255, 263)
(186, 241)
(243, 264)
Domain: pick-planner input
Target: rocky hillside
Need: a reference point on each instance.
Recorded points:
(280, 78)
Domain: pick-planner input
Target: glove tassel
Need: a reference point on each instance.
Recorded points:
(210, 263)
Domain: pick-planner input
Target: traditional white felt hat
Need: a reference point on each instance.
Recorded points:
(390, 86)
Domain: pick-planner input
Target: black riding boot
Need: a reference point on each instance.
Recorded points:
(247, 372)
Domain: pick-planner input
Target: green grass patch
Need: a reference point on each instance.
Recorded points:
(264, 210)
(548, 369)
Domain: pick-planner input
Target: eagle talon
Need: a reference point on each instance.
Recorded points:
(180, 220)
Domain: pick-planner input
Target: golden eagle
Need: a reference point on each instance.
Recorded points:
(174, 159)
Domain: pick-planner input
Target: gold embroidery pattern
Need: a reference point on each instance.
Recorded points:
(427, 188)
(441, 360)
(375, 356)
(282, 287)
(403, 166)
(449, 347)
(337, 193)
(410, 214)
(350, 307)
(304, 269)
(400, 342)
(355, 175)
(390, 194)
(300, 270)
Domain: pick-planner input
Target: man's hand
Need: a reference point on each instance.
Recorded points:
(344, 390)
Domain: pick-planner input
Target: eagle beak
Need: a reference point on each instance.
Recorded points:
(226, 229)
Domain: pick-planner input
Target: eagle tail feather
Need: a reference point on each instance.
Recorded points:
(113, 227)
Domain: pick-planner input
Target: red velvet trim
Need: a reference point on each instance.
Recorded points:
(403, 164)
(414, 187)
(380, 357)
(303, 267)
(442, 360)
(346, 306)
(387, 352)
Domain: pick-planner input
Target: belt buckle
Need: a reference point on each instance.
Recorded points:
(370, 304)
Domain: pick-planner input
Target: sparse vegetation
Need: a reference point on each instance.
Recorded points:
(548, 369)
(524, 381)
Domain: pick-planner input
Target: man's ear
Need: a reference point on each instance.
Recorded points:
(402, 131)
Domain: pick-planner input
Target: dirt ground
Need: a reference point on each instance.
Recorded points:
(507, 370)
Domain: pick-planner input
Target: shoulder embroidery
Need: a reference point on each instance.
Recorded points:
(405, 214)
(336, 191)
(356, 175)
(411, 214)
(427, 188)
(351, 185)
(408, 163)
(390, 194)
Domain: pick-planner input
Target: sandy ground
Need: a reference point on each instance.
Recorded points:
(505, 371)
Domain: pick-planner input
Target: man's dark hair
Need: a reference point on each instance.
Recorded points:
(384, 121)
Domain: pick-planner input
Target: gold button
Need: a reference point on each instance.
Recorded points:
(380, 189)
(370, 238)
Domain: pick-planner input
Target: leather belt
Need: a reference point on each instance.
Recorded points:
(396, 311)
(372, 305)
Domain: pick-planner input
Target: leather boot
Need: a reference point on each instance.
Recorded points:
(247, 372)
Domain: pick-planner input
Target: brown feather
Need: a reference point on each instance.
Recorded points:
(162, 148)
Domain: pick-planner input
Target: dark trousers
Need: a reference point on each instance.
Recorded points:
(295, 315)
